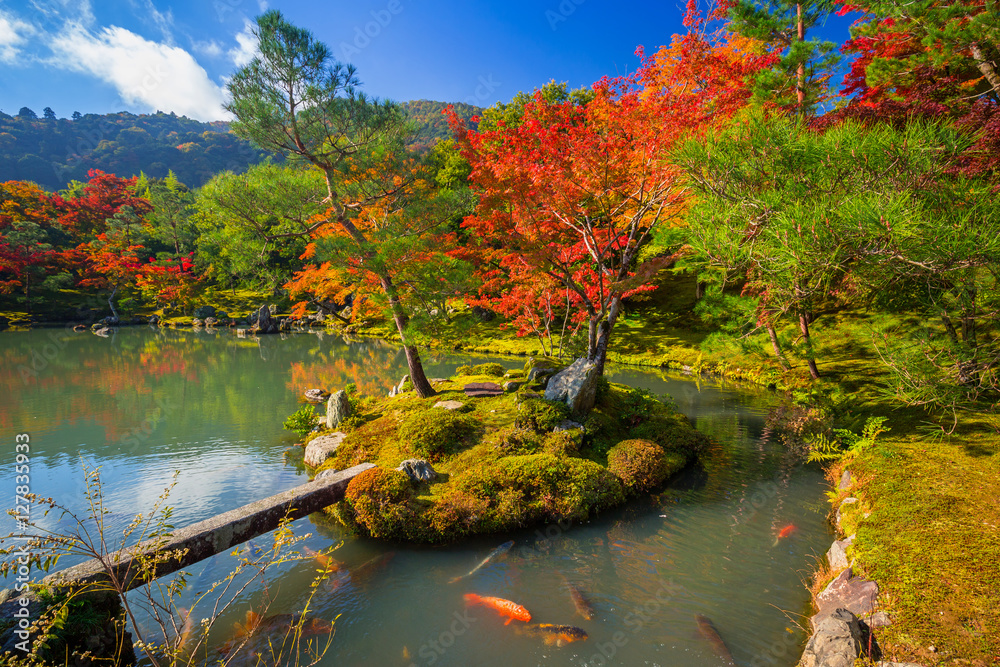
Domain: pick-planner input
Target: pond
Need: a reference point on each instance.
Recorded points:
(144, 403)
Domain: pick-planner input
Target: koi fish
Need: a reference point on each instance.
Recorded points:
(271, 627)
(187, 627)
(500, 606)
(500, 550)
(371, 566)
(327, 563)
(580, 601)
(783, 533)
(558, 635)
(708, 631)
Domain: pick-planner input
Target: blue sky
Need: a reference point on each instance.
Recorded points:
(148, 55)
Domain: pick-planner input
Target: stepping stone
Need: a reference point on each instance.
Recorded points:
(480, 389)
(449, 405)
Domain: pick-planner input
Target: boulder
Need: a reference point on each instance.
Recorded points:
(482, 389)
(569, 425)
(154, 320)
(845, 481)
(263, 323)
(211, 321)
(196, 322)
(837, 641)
(316, 395)
(837, 555)
(540, 373)
(202, 312)
(401, 387)
(510, 385)
(418, 470)
(338, 408)
(855, 594)
(575, 385)
(450, 405)
(322, 448)
(483, 314)
(329, 472)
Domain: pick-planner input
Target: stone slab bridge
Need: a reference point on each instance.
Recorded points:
(198, 541)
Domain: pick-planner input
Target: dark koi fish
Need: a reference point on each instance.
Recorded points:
(708, 631)
(499, 551)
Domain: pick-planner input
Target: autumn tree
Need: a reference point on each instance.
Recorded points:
(573, 193)
(26, 237)
(294, 98)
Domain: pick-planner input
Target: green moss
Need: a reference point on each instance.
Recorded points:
(492, 370)
(639, 464)
(378, 502)
(512, 440)
(436, 433)
(540, 415)
(563, 443)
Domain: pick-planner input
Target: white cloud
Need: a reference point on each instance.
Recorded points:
(55, 11)
(150, 74)
(211, 48)
(164, 21)
(13, 33)
(262, 4)
(246, 45)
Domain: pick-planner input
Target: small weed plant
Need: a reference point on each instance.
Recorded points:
(843, 442)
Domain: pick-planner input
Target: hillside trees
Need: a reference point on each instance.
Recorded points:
(294, 98)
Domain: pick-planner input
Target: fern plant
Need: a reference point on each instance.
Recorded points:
(823, 448)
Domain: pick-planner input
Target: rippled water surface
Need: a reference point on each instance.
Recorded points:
(144, 403)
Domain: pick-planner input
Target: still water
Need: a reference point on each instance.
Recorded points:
(144, 403)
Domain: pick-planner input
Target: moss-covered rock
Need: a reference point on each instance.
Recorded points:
(435, 434)
(378, 504)
(641, 465)
(512, 440)
(493, 370)
(540, 415)
(563, 443)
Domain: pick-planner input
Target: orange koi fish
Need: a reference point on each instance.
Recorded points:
(500, 606)
(324, 560)
(783, 533)
(280, 626)
(187, 627)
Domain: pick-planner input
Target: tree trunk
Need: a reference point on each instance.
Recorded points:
(800, 84)
(417, 377)
(986, 67)
(804, 328)
(111, 302)
(600, 355)
(949, 327)
(779, 355)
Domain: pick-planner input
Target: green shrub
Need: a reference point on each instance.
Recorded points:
(540, 415)
(378, 503)
(639, 464)
(637, 406)
(513, 440)
(672, 431)
(563, 443)
(493, 370)
(302, 421)
(464, 370)
(436, 434)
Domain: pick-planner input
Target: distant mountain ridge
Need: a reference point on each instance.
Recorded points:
(54, 151)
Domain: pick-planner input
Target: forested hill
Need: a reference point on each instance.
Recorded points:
(53, 151)
(432, 123)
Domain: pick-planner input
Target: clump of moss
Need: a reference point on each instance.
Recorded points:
(512, 440)
(493, 370)
(378, 504)
(464, 369)
(639, 464)
(540, 415)
(563, 443)
(436, 434)
(671, 431)
(520, 490)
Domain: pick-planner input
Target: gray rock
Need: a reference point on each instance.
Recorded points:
(418, 470)
(837, 641)
(338, 408)
(202, 312)
(196, 322)
(211, 321)
(569, 425)
(322, 448)
(450, 405)
(845, 481)
(511, 385)
(880, 619)
(846, 501)
(837, 555)
(855, 594)
(575, 385)
(323, 474)
(401, 387)
(262, 322)
(316, 395)
(540, 373)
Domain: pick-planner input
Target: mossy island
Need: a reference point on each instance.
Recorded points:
(503, 462)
